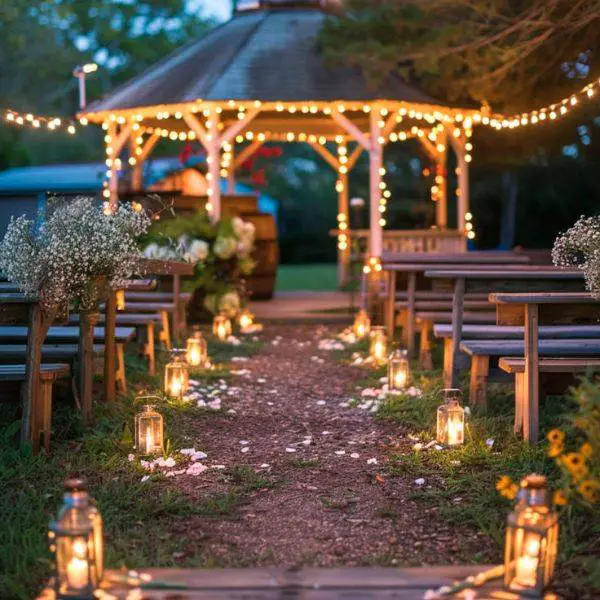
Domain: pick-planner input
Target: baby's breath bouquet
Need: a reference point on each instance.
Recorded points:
(579, 247)
(72, 244)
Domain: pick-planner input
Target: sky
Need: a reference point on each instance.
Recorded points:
(221, 9)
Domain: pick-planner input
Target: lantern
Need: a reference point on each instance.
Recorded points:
(451, 420)
(362, 324)
(76, 541)
(221, 327)
(149, 431)
(531, 539)
(196, 351)
(378, 345)
(176, 377)
(245, 320)
(398, 370)
(120, 299)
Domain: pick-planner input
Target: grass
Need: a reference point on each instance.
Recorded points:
(313, 278)
(145, 523)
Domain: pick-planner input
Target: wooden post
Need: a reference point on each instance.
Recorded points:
(343, 209)
(530, 406)
(137, 170)
(442, 166)
(390, 304)
(231, 172)
(411, 314)
(457, 323)
(179, 308)
(113, 179)
(214, 165)
(110, 320)
(87, 321)
(375, 166)
(462, 205)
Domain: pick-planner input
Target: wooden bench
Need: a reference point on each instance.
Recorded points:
(481, 351)
(68, 337)
(516, 366)
(164, 309)
(41, 414)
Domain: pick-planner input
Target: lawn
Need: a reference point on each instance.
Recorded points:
(312, 278)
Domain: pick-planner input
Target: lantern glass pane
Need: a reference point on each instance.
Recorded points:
(378, 346)
(222, 327)
(398, 371)
(196, 351)
(362, 324)
(149, 431)
(246, 319)
(176, 379)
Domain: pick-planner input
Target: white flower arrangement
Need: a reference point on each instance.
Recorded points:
(580, 247)
(75, 243)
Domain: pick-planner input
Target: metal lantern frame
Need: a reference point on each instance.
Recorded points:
(196, 350)
(176, 376)
(451, 419)
(398, 370)
(362, 324)
(222, 328)
(531, 541)
(149, 428)
(378, 345)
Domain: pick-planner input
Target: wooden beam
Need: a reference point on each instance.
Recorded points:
(350, 128)
(239, 126)
(197, 127)
(327, 156)
(353, 158)
(375, 165)
(245, 154)
(429, 148)
(389, 126)
(118, 142)
(149, 146)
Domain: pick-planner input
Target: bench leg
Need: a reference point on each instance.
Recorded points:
(402, 321)
(448, 362)
(150, 349)
(519, 400)
(480, 367)
(45, 411)
(425, 358)
(165, 334)
(121, 379)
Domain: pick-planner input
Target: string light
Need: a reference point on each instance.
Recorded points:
(342, 218)
(19, 119)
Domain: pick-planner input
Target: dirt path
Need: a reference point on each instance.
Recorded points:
(327, 502)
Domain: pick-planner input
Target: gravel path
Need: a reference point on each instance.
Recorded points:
(328, 502)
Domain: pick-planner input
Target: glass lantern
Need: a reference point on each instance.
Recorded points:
(451, 419)
(120, 299)
(149, 431)
(176, 377)
(196, 350)
(245, 320)
(531, 539)
(398, 370)
(76, 541)
(378, 345)
(222, 327)
(362, 324)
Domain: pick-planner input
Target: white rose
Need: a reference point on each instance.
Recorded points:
(225, 247)
(249, 230)
(238, 226)
(198, 250)
(229, 303)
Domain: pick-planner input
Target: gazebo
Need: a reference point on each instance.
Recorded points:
(260, 78)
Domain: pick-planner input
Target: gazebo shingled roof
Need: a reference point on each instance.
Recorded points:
(269, 55)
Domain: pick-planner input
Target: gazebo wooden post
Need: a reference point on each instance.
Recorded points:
(137, 182)
(375, 166)
(214, 166)
(462, 192)
(442, 170)
(343, 216)
(116, 140)
(231, 171)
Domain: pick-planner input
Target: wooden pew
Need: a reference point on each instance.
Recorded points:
(464, 281)
(531, 311)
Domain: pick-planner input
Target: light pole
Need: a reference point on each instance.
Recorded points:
(79, 73)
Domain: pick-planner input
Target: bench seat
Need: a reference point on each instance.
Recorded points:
(441, 305)
(495, 332)
(155, 296)
(516, 366)
(481, 351)
(41, 425)
(18, 333)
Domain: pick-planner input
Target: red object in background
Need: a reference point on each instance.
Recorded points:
(441, 170)
(247, 165)
(186, 153)
(258, 177)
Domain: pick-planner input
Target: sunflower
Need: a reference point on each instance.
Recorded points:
(510, 492)
(587, 450)
(560, 498)
(555, 450)
(556, 436)
(590, 490)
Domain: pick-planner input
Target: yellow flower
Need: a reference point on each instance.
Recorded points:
(573, 460)
(560, 498)
(587, 450)
(555, 450)
(504, 483)
(590, 490)
(556, 436)
(510, 492)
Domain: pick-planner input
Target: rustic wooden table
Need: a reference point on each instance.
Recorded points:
(361, 583)
(463, 281)
(531, 311)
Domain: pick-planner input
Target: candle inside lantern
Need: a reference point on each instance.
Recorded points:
(196, 352)
(78, 567)
(456, 431)
(176, 377)
(398, 370)
(378, 345)
(120, 299)
(222, 327)
(149, 429)
(246, 319)
(527, 565)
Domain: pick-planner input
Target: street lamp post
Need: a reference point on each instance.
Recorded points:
(79, 73)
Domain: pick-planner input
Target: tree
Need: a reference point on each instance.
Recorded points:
(514, 54)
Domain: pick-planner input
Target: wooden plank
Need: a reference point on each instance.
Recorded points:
(567, 313)
(65, 352)
(482, 257)
(506, 273)
(126, 318)
(86, 364)
(551, 365)
(149, 307)
(468, 316)
(17, 372)
(411, 317)
(110, 347)
(531, 396)
(457, 323)
(543, 298)
(167, 267)
(494, 332)
(547, 347)
(69, 334)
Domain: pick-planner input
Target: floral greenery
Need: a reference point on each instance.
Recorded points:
(75, 243)
(580, 247)
(221, 252)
